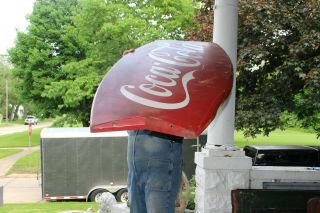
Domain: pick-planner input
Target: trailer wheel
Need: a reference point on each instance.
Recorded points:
(96, 194)
(122, 195)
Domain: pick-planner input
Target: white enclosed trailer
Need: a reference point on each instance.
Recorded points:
(77, 164)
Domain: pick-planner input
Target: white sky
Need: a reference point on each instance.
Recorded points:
(12, 18)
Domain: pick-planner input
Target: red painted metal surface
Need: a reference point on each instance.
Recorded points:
(173, 87)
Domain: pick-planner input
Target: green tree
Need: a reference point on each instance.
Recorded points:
(40, 53)
(103, 30)
(70, 46)
(278, 61)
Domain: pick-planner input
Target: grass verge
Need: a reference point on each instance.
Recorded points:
(47, 207)
(278, 137)
(10, 123)
(28, 164)
(4, 124)
(6, 152)
(20, 139)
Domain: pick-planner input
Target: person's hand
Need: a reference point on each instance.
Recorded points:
(128, 51)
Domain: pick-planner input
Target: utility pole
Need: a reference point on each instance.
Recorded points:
(7, 118)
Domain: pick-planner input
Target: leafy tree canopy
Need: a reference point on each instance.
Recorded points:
(278, 61)
(40, 53)
(70, 46)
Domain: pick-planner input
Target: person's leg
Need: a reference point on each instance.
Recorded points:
(177, 171)
(164, 176)
(155, 166)
(135, 191)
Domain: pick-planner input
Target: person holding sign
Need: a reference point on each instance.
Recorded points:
(154, 170)
(173, 88)
(155, 167)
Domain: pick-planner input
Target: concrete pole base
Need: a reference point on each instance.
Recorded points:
(219, 172)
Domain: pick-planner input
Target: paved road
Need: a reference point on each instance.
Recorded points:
(21, 128)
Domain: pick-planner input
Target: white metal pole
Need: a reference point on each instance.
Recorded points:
(221, 130)
(221, 166)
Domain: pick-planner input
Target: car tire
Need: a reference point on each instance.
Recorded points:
(122, 195)
(96, 194)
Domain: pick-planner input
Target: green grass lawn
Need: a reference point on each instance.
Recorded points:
(53, 207)
(20, 139)
(4, 124)
(10, 123)
(26, 165)
(6, 152)
(278, 137)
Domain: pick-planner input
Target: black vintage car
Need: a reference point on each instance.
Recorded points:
(305, 156)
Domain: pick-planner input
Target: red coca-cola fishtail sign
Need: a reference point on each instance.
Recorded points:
(173, 87)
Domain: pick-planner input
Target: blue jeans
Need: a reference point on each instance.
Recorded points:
(155, 166)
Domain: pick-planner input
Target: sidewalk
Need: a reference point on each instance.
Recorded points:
(7, 162)
(24, 188)
(19, 188)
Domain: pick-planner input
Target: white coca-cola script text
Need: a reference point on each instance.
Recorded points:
(165, 73)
